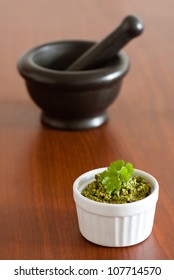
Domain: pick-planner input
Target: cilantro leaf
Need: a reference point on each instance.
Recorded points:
(116, 165)
(116, 174)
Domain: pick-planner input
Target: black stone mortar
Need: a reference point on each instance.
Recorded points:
(74, 82)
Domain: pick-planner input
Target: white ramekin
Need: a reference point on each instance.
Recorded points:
(115, 225)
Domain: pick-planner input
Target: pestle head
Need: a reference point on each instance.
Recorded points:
(133, 25)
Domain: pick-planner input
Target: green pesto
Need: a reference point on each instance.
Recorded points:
(134, 189)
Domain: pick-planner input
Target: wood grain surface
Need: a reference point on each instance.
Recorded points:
(38, 165)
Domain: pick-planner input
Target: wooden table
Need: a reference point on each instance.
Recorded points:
(38, 165)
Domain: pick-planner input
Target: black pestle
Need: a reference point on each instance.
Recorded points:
(103, 51)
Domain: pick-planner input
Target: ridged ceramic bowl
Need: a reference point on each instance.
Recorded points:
(115, 225)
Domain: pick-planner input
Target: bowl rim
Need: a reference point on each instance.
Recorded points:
(30, 70)
(114, 209)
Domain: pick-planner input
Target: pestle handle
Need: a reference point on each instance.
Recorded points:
(103, 51)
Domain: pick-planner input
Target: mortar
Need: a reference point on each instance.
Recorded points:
(71, 99)
(74, 82)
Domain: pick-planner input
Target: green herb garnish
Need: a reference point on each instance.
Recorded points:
(116, 174)
(117, 185)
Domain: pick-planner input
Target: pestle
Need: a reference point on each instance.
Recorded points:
(103, 51)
